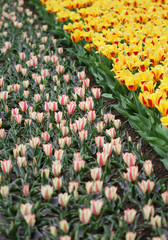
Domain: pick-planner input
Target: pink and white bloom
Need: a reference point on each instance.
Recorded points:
(47, 148)
(6, 166)
(129, 215)
(85, 215)
(96, 206)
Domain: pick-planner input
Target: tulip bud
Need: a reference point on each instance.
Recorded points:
(96, 206)
(64, 226)
(85, 215)
(148, 167)
(26, 190)
(30, 219)
(129, 215)
(156, 221)
(148, 211)
(130, 236)
(63, 199)
(4, 191)
(165, 197)
(53, 231)
(46, 192)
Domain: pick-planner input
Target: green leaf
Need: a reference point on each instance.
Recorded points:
(165, 162)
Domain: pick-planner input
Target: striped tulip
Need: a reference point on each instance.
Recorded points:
(130, 236)
(30, 219)
(60, 69)
(26, 209)
(85, 215)
(111, 132)
(26, 190)
(35, 141)
(58, 154)
(129, 215)
(89, 186)
(4, 95)
(16, 87)
(2, 133)
(148, 167)
(65, 130)
(37, 98)
(54, 58)
(102, 158)
(96, 173)
(46, 192)
(132, 173)
(91, 116)
(129, 159)
(108, 148)
(40, 117)
(23, 105)
(99, 126)
(80, 91)
(45, 172)
(47, 148)
(117, 123)
(78, 165)
(83, 135)
(117, 148)
(98, 185)
(66, 78)
(53, 106)
(156, 221)
(96, 92)
(148, 211)
(58, 116)
(45, 136)
(89, 105)
(18, 68)
(96, 206)
(71, 107)
(165, 197)
(111, 193)
(4, 191)
(63, 199)
(6, 166)
(56, 168)
(80, 123)
(99, 141)
(18, 118)
(146, 186)
(21, 161)
(81, 75)
(73, 186)
(57, 183)
(64, 226)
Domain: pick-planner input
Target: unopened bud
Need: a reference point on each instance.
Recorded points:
(53, 231)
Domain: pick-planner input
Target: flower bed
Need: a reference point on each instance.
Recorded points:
(66, 172)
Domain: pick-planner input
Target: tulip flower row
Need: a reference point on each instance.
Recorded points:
(132, 34)
(66, 171)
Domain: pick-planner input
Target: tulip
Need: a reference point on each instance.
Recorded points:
(129, 215)
(83, 135)
(96, 206)
(148, 211)
(60, 69)
(47, 148)
(109, 117)
(45, 136)
(66, 237)
(96, 173)
(82, 105)
(30, 219)
(21, 161)
(91, 115)
(44, 73)
(4, 191)
(96, 92)
(156, 221)
(1, 126)
(64, 226)
(80, 91)
(16, 87)
(81, 75)
(1, 81)
(129, 159)
(89, 187)
(26, 94)
(2, 133)
(57, 183)
(53, 231)
(78, 165)
(73, 186)
(24, 71)
(60, 50)
(40, 117)
(132, 173)
(26, 209)
(98, 185)
(146, 186)
(89, 105)
(58, 154)
(117, 123)
(99, 126)
(71, 107)
(45, 172)
(58, 116)
(111, 193)
(111, 132)
(23, 105)
(108, 148)
(26, 190)
(99, 141)
(46, 192)
(130, 236)
(4, 95)
(6, 166)
(80, 123)
(63, 199)
(54, 59)
(22, 56)
(102, 158)
(37, 98)
(35, 141)
(56, 168)
(148, 167)
(64, 130)
(18, 118)
(53, 106)
(165, 197)
(46, 59)
(66, 78)
(85, 215)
